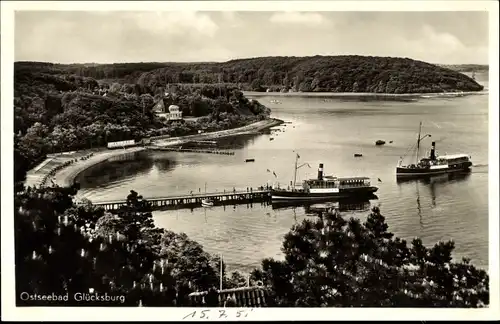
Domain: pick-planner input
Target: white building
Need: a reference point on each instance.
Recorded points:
(174, 113)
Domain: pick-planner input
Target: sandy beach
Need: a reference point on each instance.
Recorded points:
(64, 177)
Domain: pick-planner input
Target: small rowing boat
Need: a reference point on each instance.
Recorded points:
(207, 202)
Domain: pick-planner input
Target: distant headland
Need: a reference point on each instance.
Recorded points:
(467, 68)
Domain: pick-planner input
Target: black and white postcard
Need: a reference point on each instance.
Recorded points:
(253, 160)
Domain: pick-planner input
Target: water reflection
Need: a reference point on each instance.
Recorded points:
(309, 208)
(419, 206)
(431, 182)
(315, 207)
(236, 142)
(162, 163)
(123, 167)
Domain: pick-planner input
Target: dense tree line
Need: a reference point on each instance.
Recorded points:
(66, 248)
(331, 261)
(349, 73)
(56, 111)
(63, 248)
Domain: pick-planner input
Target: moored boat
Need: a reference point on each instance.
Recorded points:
(433, 164)
(325, 187)
(207, 202)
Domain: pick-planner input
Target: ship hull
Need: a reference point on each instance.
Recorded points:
(436, 178)
(307, 196)
(421, 172)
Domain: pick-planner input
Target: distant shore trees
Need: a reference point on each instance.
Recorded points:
(343, 73)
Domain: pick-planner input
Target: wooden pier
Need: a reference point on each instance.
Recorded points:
(192, 150)
(194, 200)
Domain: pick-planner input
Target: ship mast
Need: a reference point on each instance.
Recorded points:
(297, 156)
(418, 142)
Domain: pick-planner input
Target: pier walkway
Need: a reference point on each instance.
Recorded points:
(192, 150)
(194, 200)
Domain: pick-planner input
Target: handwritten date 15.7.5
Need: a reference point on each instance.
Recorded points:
(220, 313)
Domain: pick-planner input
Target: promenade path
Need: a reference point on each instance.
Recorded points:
(52, 169)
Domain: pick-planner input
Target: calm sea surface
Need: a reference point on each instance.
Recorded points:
(325, 131)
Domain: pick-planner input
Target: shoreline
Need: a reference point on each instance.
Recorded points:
(248, 129)
(364, 94)
(66, 176)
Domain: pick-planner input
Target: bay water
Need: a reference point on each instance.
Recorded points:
(324, 130)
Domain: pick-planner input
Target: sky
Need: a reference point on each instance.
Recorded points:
(188, 36)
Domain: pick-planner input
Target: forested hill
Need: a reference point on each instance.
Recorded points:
(56, 111)
(318, 74)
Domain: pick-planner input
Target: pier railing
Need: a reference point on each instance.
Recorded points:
(194, 199)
